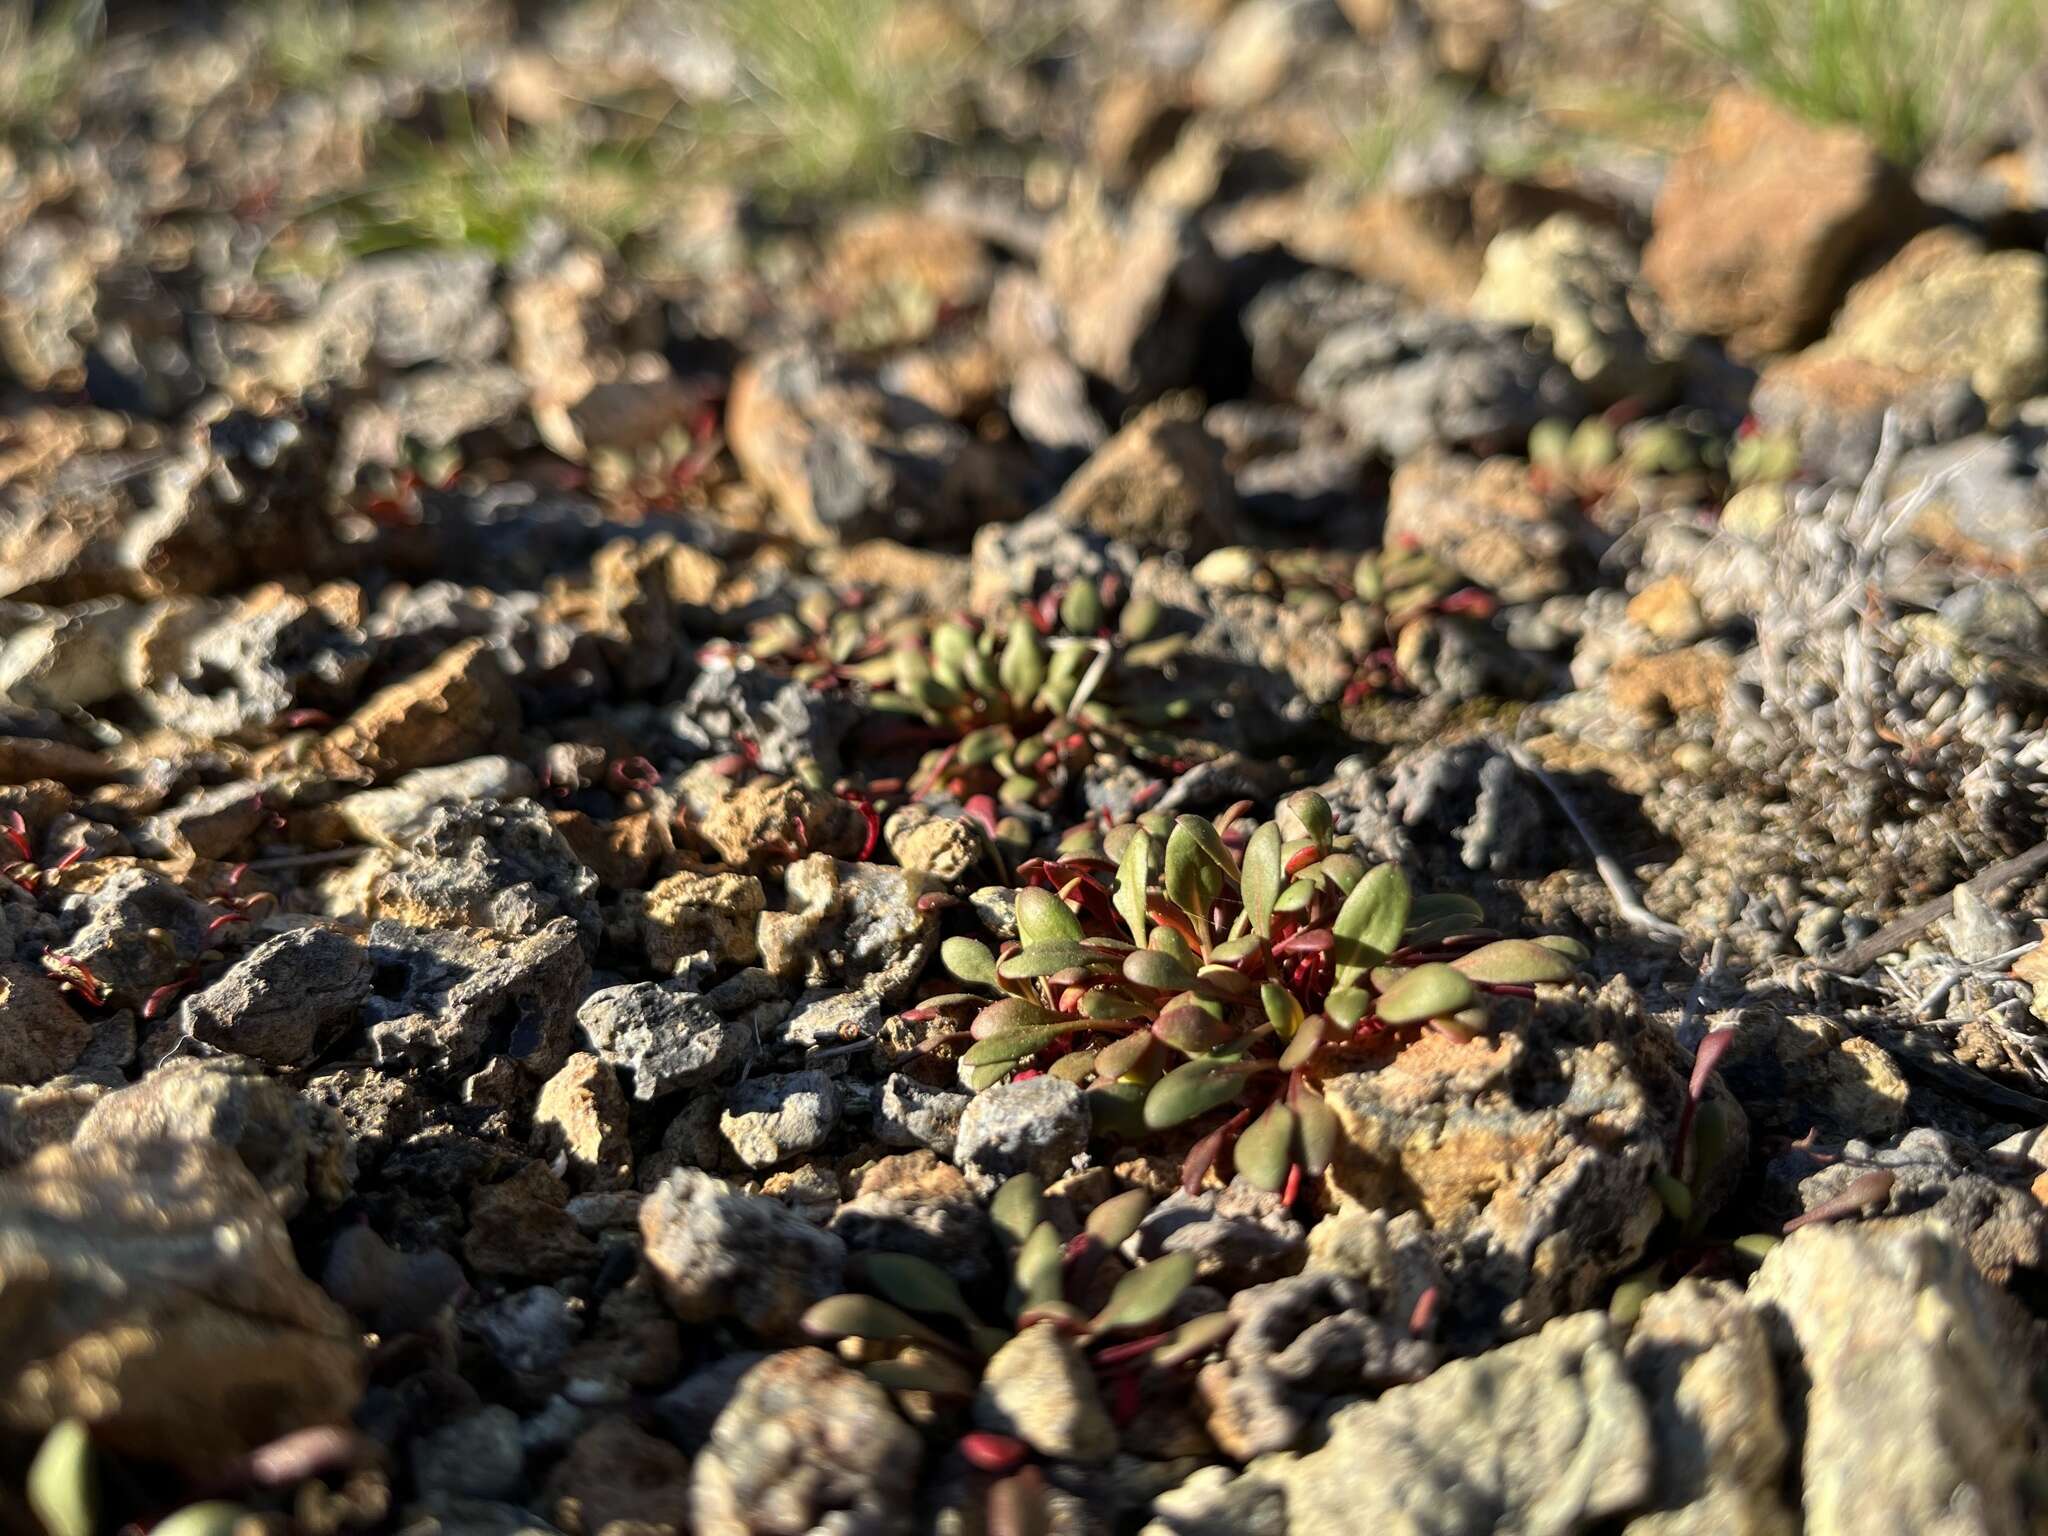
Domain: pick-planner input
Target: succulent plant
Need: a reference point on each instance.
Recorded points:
(1187, 968)
(1017, 710)
(916, 1331)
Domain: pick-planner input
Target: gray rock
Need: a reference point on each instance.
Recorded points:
(489, 864)
(478, 1457)
(717, 1252)
(1985, 1204)
(1416, 379)
(395, 817)
(1299, 1342)
(1577, 283)
(915, 1115)
(1915, 1419)
(1240, 1235)
(913, 1203)
(1039, 1388)
(1038, 1126)
(206, 824)
(392, 1292)
(154, 1293)
(294, 1147)
(34, 1118)
(446, 997)
(121, 913)
(1543, 1434)
(769, 1120)
(805, 1444)
(788, 722)
(663, 1039)
(1702, 1361)
(286, 999)
(1982, 499)
(528, 1331)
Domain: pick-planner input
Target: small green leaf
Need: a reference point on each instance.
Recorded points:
(1283, 1009)
(1169, 942)
(1038, 1276)
(1042, 918)
(1515, 962)
(969, 960)
(1304, 1042)
(63, 1486)
(1118, 1217)
(1316, 1131)
(1140, 617)
(1676, 1197)
(1146, 1294)
(1117, 1110)
(1186, 868)
(211, 1517)
(1156, 970)
(853, 1316)
(1426, 992)
(1022, 668)
(929, 1372)
(1343, 870)
(1235, 950)
(1191, 1028)
(1009, 1046)
(1370, 923)
(1265, 1151)
(1081, 608)
(1035, 960)
(1347, 1005)
(1018, 1207)
(1299, 893)
(1133, 875)
(1193, 1339)
(1436, 917)
(1107, 1006)
(982, 746)
(1011, 1013)
(1123, 1057)
(1571, 949)
(1312, 812)
(918, 1285)
(1194, 1088)
(1204, 835)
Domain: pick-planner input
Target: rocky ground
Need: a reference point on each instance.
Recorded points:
(656, 695)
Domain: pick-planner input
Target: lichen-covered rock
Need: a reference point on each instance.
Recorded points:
(805, 1444)
(1544, 1434)
(1532, 1152)
(294, 1147)
(445, 997)
(1915, 1419)
(1038, 1125)
(1490, 522)
(717, 1252)
(913, 1114)
(488, 864)
(1702, 1361)
(1578, 283)
(665, 1039)
(766, 823)
(691, 924)
(460, 706)
(850, 925)
(142, 930)
(153, 1292)
(285, 999)
(771, 1119)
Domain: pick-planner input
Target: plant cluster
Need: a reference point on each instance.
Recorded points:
(917, 1331)
(1184, 968)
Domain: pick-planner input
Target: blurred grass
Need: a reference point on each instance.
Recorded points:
(1915, 75)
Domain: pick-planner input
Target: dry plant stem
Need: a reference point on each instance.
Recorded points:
(1627, 904)
(1900, 931)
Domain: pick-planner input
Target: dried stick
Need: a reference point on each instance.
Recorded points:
(1627, 904)
(1900, 931)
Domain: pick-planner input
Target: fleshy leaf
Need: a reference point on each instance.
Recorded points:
(63, 1487)
(1190, 1028)
(1303, 1045)
(1009, 1013)
(1133, 874)
(1159, 971)
(1035, 960)
(1192, 1089)
(1118, 1217)
(969, 960)
(1124, 1056)
(1266, 1149)
(916, 1284)
(1426, 992)
(1039, 1274)
(1042, 918)
(1313, 812)
(929, 1372)
(1205, 837)
(1316, 1131)
(1370, 923)
(1014, 1045)
(1194, 1338)
(1347, 1005)
(1022, 668)
(1283, 1009)
(1260, 879)
(1018, 1207)
(209, 1517)
(1515, 962)
(1147, 1293)
(852, 1316)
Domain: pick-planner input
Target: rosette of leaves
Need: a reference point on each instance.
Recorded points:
(1187, 968)
(1017, 710)
(917, 1331)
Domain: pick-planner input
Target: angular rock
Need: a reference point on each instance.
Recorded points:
(618, 1475)
(488, 865)
(1758, 224)
(154, 1293)
(285, 1000)
(805, 1444)
(476, 1457)
(40, 1035)
(665, 1040)
(1578, 284)
(912, 1114)
(581, 1117)
(850, 925)
(459, 707)
(917, 1205)
(692, 924)
(1532, 1152)
(769, 1120)
(295, 1149)
(1039, 1388)
(446, 997)
(1240, 1235)
(1037, 1126)
(1159, 485)
(520, 1228)
(1490, 522)
(1914, 1418)
(123, 911)
(717, 1252)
